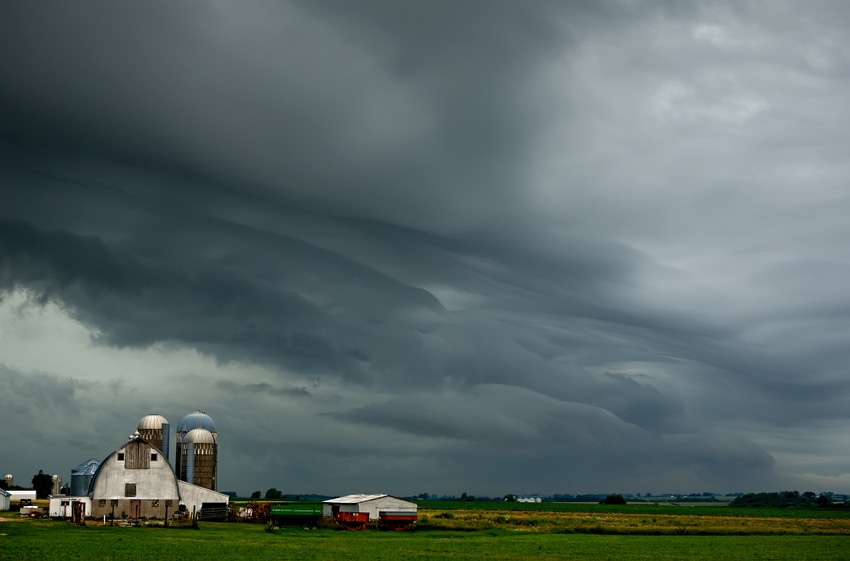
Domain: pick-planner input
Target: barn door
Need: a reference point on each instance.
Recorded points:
(135, 508)
(78, 512)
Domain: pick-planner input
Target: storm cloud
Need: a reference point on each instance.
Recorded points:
(467, 246)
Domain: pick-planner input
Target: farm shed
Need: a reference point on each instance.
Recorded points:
(372, 504)
(63, 506)
(5, 499)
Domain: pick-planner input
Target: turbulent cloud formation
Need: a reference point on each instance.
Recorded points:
(477, 246)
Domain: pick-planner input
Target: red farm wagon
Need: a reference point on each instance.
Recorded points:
(396, 520)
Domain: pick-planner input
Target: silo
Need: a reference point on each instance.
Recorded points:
(198, 457)
(81, 477)
(57, 484)
(195, 420)
(156, 430)
(10, 480)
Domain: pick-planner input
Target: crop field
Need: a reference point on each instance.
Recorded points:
(582, 532)
(638, 519)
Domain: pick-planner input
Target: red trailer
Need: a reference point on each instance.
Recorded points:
(396, 520)
(352, 520)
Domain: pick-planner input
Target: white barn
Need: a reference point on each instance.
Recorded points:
(5, 500)
(137, 480)
(373, 504)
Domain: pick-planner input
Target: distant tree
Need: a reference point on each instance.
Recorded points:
(823, 500)
(273, 493)
(510, 498)
(614, 500)
(256, 494)
(43, 484)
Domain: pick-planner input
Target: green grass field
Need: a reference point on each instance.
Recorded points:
(795, 539)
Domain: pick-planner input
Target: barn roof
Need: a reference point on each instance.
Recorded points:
(354, 499)
(357, 499)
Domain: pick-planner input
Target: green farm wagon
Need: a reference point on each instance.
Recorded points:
(298, 513)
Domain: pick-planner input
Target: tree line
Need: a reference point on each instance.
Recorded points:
(784, 499)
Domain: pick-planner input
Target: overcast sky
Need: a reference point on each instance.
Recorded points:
(404, 247)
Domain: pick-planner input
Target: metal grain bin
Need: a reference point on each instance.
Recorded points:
(81, 477)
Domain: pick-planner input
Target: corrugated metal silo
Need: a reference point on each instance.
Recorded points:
(81, 477)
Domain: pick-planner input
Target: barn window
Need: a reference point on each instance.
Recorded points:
(153, 456)
(101, 502)
(129, 489)
(154, 502)
(120, 456)
(167, 502)
(114, 502)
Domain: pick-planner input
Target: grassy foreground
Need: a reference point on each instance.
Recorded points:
(24, 539)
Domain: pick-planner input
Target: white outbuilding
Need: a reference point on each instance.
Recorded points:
(373, 504)
(63, 506)
(5, 499)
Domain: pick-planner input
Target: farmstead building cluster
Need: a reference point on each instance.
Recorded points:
(138, 480)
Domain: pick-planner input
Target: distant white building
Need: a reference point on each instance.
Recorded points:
(373, 504)
(17, 495)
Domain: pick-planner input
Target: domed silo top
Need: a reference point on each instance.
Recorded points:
(199, 436)
(152, 422)
(196, 420)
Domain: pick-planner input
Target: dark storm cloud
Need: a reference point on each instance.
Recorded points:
(575, 229)
(410, 136)
(141, 299)
(266, 389)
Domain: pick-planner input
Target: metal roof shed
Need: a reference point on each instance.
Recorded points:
(5, 499)
(373, 504)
